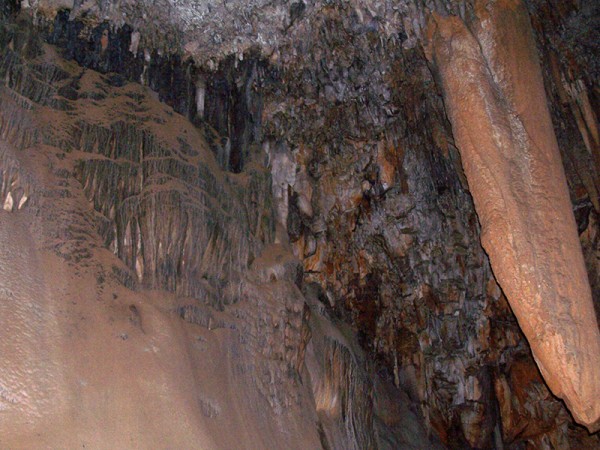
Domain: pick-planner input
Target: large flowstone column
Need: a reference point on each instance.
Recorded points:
(495, 99)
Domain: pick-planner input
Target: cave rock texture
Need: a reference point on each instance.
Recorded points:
(337, 224)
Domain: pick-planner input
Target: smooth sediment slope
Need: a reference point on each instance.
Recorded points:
(495, 98)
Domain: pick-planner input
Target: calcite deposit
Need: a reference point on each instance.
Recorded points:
(358, 224)
(495, 97)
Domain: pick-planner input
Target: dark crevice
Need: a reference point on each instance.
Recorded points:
(233, 99)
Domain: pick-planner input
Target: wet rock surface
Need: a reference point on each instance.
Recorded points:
(323, 159)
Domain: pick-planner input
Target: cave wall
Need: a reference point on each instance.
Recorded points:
(438, 320)
(123, 274)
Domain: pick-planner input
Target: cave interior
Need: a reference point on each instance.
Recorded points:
(311, 224)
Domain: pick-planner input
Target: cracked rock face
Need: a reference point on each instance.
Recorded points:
(275, 218)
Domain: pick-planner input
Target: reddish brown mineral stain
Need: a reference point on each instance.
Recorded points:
(104, 40)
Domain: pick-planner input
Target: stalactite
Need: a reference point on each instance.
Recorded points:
(495, 97)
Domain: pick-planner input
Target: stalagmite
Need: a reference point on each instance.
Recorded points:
(494, 95)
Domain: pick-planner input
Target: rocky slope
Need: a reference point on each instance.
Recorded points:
(304, 225)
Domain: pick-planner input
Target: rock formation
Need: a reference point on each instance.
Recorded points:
(494, 92)
(255, 224)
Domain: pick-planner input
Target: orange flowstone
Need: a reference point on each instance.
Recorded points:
(494, 95)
